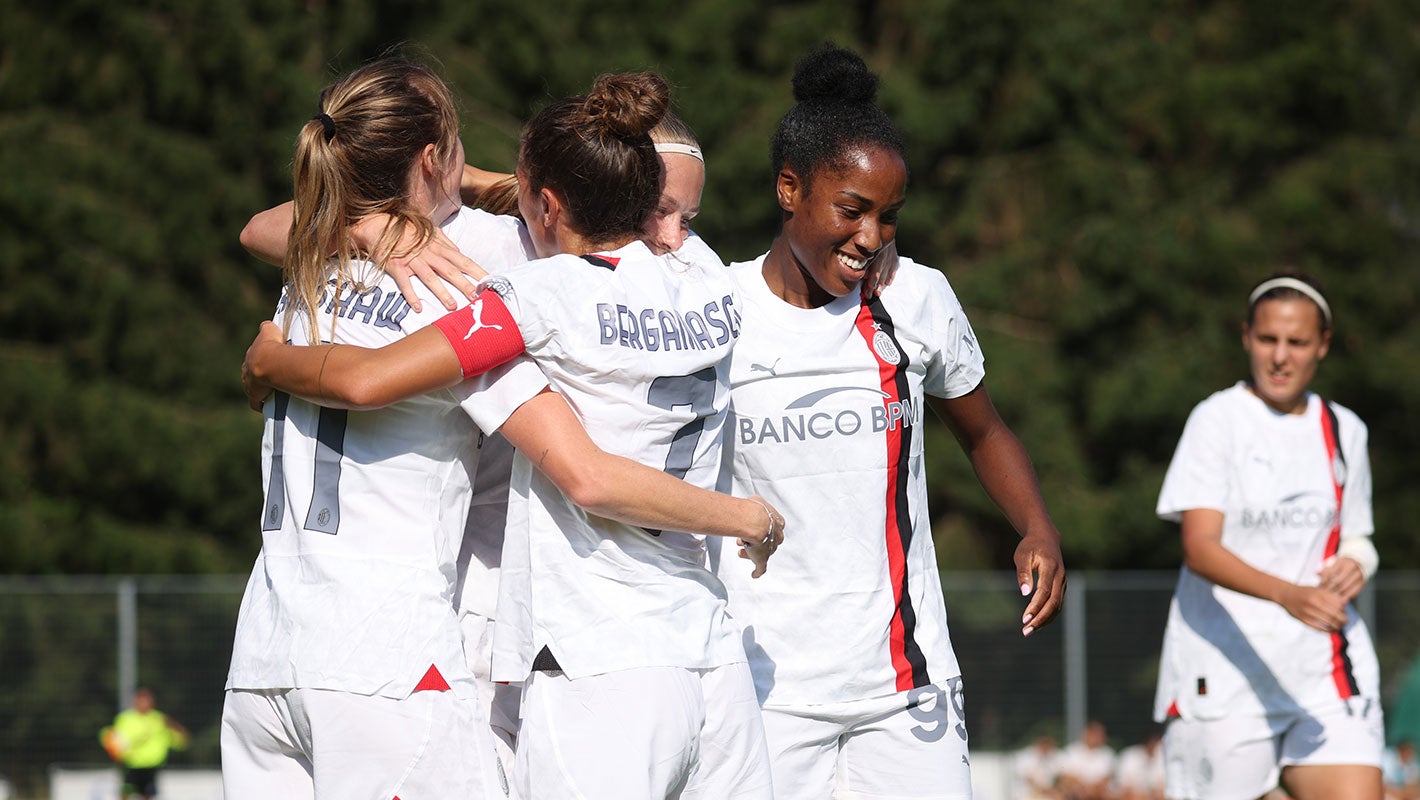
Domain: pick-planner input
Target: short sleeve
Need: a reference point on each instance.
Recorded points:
(489, 399)
(1197, 476)
(960, 365)
(1356, 517)
(497, 243)
(535, 298)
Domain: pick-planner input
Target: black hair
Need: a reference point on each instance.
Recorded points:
(834, 114)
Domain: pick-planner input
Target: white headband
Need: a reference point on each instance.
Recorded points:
(1292, 283)
(683, 149)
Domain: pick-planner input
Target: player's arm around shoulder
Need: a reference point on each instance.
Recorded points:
(350, 376)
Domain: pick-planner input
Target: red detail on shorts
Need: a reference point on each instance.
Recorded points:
(1172, 713)
(1341, 667)
(482, 333)
(432, 681)
(897, 559)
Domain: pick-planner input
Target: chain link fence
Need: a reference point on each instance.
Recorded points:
(73, 648)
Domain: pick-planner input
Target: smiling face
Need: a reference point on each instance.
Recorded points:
(682, 181)
(1285, 343)
(835, 226)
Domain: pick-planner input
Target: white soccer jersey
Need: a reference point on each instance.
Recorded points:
(364, 512)
(479, 556)
(826, 425)
(1271, 475)
(638, 344)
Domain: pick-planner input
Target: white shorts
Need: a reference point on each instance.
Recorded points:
(642, 734)
(907, 745)
(499, 700)
(1242, 757)
(310, 744)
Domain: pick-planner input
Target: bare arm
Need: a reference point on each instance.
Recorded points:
(1004, 469)
(347, 376)
(1205, 554)
(266, 234)
(547, 431)
(475, 182)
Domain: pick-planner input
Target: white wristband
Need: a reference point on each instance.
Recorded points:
(1360, 550)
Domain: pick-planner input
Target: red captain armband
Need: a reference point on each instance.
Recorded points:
(482, 333)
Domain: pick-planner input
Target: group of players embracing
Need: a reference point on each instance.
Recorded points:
(502, 516)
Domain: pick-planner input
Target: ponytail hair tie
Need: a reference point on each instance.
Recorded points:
(327, 124)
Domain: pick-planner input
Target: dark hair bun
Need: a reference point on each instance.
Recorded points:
(628, 104)
(830, 74)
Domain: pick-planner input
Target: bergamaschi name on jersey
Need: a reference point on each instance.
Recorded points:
(668, 328)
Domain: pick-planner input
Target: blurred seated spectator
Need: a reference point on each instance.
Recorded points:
(1086, 766)
(1034, 770)
(1139, 773)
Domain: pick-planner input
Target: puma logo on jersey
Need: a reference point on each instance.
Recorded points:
(478, 323)
(770, 369)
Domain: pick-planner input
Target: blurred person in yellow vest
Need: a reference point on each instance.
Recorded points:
(139, 739)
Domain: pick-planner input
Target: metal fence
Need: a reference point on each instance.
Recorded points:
(73, 648)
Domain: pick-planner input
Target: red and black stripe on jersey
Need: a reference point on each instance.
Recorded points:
(1341, 671)
(908, 661)
(605, 262)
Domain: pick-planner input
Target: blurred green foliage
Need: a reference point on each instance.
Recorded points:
(1102, 180)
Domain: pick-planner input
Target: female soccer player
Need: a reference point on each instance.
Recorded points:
(636, 684)
(347, 676)
(847, 635)
(1267, 673)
